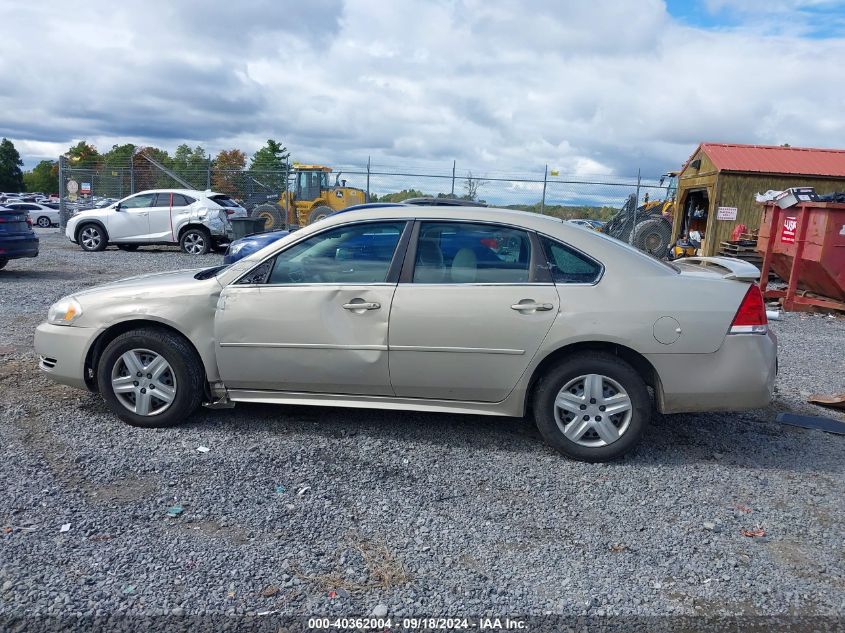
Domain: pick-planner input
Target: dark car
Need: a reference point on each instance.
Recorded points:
(17, 239)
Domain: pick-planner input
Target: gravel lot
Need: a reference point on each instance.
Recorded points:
(337, 511)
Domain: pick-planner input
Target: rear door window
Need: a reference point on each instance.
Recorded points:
(462, 252)
(162, 200)
(569, 266)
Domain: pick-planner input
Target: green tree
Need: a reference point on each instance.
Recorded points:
(44, 177)
(191, 164)
(119, 156)
(398, 196)
(269, 165)
(83, 155)
(11, 176)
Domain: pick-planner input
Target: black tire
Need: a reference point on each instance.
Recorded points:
(131, 248)
(607, 366)
(44, 222)
(3, 262)
(652, 236)
(92, 238)
(186, 365)
(318, 213)
(272, 214)
(196, 240)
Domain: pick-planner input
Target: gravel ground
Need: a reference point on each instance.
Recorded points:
(336, 511)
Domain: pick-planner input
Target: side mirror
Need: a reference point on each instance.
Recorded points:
(117, 207)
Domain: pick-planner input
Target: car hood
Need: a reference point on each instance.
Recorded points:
(162, 283)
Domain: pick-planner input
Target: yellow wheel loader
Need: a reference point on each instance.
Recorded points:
(309, 198)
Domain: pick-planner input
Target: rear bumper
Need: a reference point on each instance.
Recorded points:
(61, 350)
(15, 247)
(739, 375)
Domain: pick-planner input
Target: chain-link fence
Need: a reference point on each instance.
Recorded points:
(85, 185)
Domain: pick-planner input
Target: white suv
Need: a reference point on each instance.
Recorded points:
(196, 220)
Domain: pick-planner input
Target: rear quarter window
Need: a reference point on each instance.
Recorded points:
(568, 266)
(224, 201)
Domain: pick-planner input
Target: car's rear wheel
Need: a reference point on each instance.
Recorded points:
(195, 241)
(44, 222)
(151, 378)
(92, 237)
(592, 407)
(271, 214)
(318, 213)
(131, 248)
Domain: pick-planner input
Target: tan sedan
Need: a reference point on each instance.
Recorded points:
(454, 310)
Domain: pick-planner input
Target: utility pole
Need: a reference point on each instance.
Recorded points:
(634, 211)
(454, 162)
(545, 181)
(368, 179)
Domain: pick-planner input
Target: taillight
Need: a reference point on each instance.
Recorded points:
(751, 316)
(29, 222)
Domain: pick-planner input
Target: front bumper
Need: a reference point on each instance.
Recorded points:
(739, 375)
(62, 349)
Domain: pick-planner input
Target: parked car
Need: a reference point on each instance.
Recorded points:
(251, 243)
(377, 308)
(196, 220)
(40, 214)
(17, 239)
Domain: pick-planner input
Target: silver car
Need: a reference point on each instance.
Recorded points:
(453, 310)
(195, 220)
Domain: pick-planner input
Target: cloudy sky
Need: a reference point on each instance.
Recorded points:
(590, 88)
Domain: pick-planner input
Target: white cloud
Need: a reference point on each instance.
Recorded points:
(598, 88)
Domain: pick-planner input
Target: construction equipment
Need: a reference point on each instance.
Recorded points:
(309, 198)
(649, 226)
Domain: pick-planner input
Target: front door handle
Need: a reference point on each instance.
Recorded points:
(361, 305)
(527, 305)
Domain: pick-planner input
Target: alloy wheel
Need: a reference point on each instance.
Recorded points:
(593, 410)
(90, 238)
(44, 222)
(194, 243)
(143, 382)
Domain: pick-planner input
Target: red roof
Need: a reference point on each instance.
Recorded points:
(768, 159)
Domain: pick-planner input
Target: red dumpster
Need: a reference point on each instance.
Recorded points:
(805, 245)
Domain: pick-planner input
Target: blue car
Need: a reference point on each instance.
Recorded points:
(17, 239)
(251, 243)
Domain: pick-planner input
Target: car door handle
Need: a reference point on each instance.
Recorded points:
(527, 305)
(362, 305)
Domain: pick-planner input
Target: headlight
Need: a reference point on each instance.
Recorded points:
(64, 312)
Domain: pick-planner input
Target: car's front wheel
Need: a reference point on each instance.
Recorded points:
(92, 238)
(151, 378)
(195, 241)
(592, 407)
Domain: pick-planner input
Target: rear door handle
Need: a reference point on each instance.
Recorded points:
(362, 305)
(527, 304)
